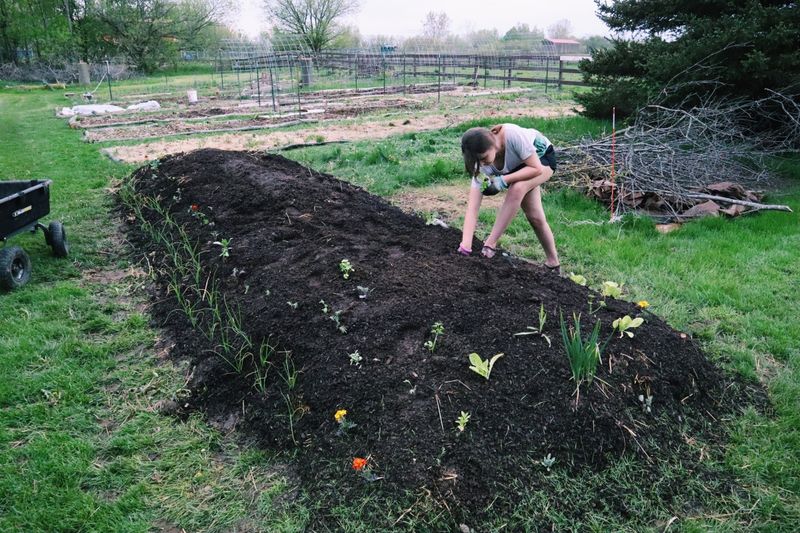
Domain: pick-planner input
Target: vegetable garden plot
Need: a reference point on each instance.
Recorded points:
(322, 319)
(223, 123)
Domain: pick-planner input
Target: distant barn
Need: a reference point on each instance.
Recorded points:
(564, 46)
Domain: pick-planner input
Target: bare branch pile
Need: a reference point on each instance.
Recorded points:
(670, 157)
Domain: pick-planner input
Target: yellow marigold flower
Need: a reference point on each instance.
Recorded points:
(340, 414)
(643, 304)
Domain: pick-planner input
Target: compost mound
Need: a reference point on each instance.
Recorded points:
(288, 228)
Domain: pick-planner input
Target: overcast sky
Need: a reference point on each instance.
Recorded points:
(404, 18)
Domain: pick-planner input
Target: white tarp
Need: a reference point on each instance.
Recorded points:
(150, 105)
(102, 109)
(90, 109)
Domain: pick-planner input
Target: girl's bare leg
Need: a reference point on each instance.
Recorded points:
(516, 192)
(534, 212)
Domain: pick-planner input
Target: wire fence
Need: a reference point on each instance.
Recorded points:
(272, 76)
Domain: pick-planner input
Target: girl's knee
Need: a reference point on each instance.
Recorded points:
(536, 218)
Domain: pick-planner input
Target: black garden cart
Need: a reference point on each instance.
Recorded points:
(22, 204)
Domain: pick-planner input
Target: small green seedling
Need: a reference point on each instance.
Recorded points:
(534, 331)
(577, 278)
(363, 292)
(436, 330)
(337, 318)
(325, 307)
(462, 420)
(611, 289)
(226, 247)
(293, 305)
(548, 461)
(483, 367)
(625, 323)
(355, 358)
(346, 268)
(647, 402)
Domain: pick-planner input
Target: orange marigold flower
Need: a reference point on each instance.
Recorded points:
(340, 414)
(643, 304)
(359, 463)
(195, 207)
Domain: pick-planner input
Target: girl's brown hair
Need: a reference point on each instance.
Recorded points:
(474, 142)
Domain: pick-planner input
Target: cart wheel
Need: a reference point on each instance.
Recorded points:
(56, 237)
(15, 268)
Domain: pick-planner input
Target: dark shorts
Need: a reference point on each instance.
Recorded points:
(549, 158)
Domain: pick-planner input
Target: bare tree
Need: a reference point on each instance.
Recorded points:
(314, 21)
(436, 26)
(560, 29)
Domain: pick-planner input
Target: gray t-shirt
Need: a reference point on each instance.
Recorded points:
(521, 143)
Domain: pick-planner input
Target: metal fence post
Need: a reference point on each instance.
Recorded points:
(108, 75)
(560, 73)
(438, 78)
(258, 83)
(546, 73)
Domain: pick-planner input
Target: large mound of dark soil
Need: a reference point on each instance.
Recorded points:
(289, 229)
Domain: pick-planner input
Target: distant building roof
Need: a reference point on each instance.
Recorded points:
(561, 41)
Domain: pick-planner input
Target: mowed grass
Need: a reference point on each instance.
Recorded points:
(84, 446)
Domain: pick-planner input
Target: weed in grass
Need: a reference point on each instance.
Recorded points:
(548, 461)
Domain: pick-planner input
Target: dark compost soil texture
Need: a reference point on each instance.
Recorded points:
(289, 229)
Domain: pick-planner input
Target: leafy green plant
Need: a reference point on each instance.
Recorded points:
(611, 289)
(293, 305)
(583, 355)
(548, 461)
(483, 367)
(225, 244)
(355, 358)
(462, 420)
(436, 330)
(346, 268)
(325, 307)
(577, 278)
(623, 324)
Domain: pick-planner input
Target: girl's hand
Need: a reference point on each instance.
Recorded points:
(463, 251)
(495, 185)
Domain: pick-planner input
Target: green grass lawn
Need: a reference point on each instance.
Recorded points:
(84, 445)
